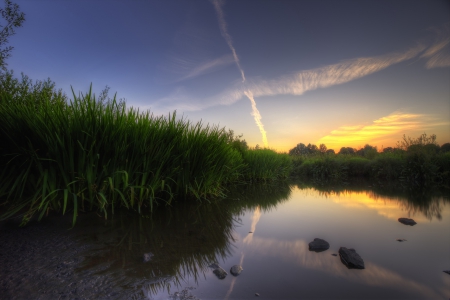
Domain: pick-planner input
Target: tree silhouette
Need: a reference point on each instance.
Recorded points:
(14, 18)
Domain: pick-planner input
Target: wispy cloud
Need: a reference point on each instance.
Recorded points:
(438, 54)
(207, 67)
(383, 129)
(308, 80)
(297, 83)
(224, 31)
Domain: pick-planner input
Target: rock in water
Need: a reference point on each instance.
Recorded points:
(351, 259)
(220, 273)
(447, 271)
(236, 270)
(147, 256)
(214, 266)
(407, 221)
(318, 245)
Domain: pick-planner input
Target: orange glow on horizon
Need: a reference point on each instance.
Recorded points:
(382, 133)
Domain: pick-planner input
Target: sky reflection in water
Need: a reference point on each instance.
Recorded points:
(266, 229)
(272, 246)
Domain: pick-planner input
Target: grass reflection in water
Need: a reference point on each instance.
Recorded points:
(184, 238)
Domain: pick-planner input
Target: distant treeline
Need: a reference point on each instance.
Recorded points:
(423, 142)
(415, 162)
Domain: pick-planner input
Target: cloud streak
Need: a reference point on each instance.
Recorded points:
(437, 54)
(257, 116)
(224, 31)
(308, 80)
(208, 66)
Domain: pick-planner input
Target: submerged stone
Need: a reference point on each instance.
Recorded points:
(147, 256)
(407, 221)
(318, 245)
(236, 270)
(447, 271)
(351, 259)
(214, 266)
(220, 273)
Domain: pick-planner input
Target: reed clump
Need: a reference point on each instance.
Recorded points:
(266, 165)
(90, 154)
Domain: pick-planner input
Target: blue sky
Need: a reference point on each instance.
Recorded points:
(343, 73)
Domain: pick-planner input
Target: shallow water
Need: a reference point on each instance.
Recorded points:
(266, 229)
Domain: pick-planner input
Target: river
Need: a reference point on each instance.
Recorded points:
(264, 228)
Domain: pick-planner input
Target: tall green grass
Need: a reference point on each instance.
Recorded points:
(266, 165)
(93, 154)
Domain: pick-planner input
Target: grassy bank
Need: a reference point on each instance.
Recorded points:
(413, 168)
(88, 153)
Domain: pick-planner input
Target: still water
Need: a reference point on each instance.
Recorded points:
(266, 230)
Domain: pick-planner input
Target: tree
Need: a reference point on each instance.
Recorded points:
(236, 142)
(322, 148)
(422, 140)
(445, 148)
(368, 151)
(14, 18)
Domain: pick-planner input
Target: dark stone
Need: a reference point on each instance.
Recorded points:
(400, 240)
(319, 245)
(407, 221)
(236, 270)
(220, 273)
(447, 271)
(147, 256)
(351, 259)
(214, 266)
(334, 254)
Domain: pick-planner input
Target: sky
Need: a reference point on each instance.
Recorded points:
(342, 73)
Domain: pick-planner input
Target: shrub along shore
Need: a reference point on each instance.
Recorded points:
(418, 165)
(94, 153)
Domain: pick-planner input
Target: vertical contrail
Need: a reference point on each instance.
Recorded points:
(257, 116)
(223, 30)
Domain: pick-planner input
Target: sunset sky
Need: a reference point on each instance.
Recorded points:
(342, 73)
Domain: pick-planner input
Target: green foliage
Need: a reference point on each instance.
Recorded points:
(419, 170)
(357, 166)
(422, 140)
(416, 162)
(13, 18)
(236, 142)
(368, 151)
(25, 92)
(445, 148)
(319, 168)
(347, 150)
(96, 154)
(387, 166)
(266, 165)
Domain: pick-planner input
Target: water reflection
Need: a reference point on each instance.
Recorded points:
(428, 203)
(187, 237)
(178, 242)
(296, 252)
